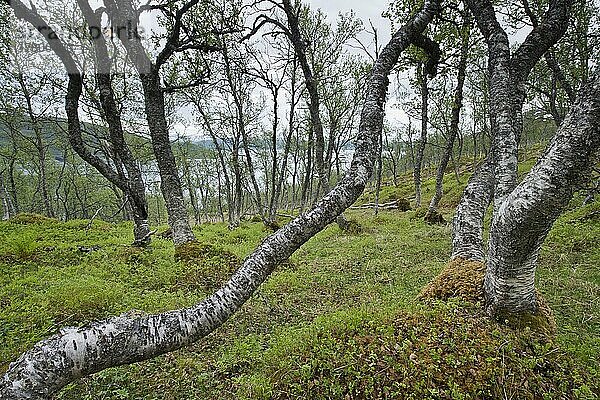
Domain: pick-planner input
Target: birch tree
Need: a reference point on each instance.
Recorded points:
(457, 102)
(123, 14)
(508, 73)
(134, 186)
(510, 272)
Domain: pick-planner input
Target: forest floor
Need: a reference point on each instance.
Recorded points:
(340, 320)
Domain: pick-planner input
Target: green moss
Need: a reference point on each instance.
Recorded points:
(460, 278)
(542, 320)
(207, 266)
(420, 212)
(445, 351)
(256, 218)
(30, 218)
(335, 322)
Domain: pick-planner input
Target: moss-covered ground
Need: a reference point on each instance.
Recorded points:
(340, 320)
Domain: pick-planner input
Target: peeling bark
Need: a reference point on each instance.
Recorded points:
(77, 352)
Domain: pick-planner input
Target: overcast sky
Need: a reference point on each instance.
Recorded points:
(364, 9)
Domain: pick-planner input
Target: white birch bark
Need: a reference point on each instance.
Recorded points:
(524, 218)
(497, 176)
(77, 352)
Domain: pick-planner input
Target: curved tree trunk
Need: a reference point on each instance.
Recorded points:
(467, 225)
(522, 216)
(77, 352)
(135, 189)
(523, 220)
(134, 186)
(496, 177)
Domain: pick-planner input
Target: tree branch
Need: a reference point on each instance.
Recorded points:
(543, 36)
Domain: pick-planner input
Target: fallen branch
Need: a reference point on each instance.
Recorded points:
(142, 241)
(392, 205)
(121, 208)
(286, 215)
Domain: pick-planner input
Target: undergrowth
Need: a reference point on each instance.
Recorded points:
(340, 320)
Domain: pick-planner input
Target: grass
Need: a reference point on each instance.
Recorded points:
(339, 321)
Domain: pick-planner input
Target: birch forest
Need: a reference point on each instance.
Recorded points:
(299, 199)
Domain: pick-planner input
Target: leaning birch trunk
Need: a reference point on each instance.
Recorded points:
(467, 225)
(523, 220)
(135, 188)
(78, 352)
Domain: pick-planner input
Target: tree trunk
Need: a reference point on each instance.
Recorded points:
(8, 210)
(308, 170)
(423, 142)
(455, 121)
(40, 146)
(525, 217)
(522, 216)
(314, 104)
(496, 176)
(121, 13)
(74, 90)
(275, 200)
(77, 352)
(170, 183)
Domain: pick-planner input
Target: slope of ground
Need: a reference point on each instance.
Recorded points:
(340, 320)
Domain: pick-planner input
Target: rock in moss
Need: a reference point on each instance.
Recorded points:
(434, 217)
(404, 205)
(349, 226)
